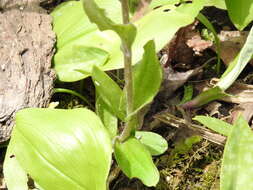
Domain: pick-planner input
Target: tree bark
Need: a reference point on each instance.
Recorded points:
(26, 49)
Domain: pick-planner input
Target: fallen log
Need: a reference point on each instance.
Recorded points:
(26, 50)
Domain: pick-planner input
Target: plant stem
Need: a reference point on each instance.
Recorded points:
(63, 90)
(127, 51)
(125, 11)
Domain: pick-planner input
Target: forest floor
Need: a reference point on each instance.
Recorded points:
(191, 161)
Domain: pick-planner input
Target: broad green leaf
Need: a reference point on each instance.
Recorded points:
(68, 149)
(73, 28)
(71, 23)
(158, 3)
(157, 25)
(240, 12)
(135, 161)
(217, 3)
(109, 91)
(107, 40)
(109, 120)
(147, 77)
(239, 63)
(154, 143)
(82, 58)
(217, 125)
(127, 32)
(236, 170)
(14, 175)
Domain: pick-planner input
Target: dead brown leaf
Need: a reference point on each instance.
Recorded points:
(231, 44)
(198, 44)
(174, 80)
(244, 109)
(240, 93)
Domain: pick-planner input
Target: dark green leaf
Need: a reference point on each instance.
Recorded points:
(155, 143)
(135, 161)
(73, 28)
(240, 12)
(188, 93)
(147, 77)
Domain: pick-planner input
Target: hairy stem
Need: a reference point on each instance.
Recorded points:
(129, 128)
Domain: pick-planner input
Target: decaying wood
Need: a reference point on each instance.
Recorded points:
(26, 50)
(207, 134)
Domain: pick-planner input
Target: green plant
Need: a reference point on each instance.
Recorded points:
(209, 26)
(72, 149)
(80, 44)
(236, 169)
(241, 14)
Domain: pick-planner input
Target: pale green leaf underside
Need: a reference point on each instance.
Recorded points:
(63, 149)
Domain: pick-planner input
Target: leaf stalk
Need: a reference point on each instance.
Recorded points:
(127, 51)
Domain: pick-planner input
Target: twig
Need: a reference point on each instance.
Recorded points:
(200, 130)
